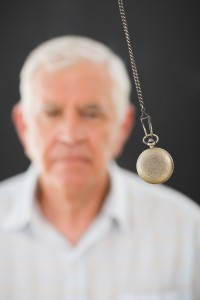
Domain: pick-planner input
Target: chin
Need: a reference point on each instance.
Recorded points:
(74, 176)
(71, 181)
(69, 185)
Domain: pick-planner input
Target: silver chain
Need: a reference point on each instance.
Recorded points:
(144, 117)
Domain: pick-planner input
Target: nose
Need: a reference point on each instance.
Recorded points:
(71, 131)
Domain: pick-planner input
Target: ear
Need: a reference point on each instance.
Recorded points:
(128, 122)
(19, 122)
(126, 127)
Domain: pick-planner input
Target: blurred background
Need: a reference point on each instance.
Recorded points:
(165, 39)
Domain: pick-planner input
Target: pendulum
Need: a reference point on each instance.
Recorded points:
(154, 165)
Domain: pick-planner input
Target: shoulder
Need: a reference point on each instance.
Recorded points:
(9, 186)
(158, 200)
(10, 189)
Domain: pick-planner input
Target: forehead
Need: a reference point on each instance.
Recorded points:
(81, 79)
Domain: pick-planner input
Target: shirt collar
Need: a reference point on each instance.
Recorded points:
(20, 213)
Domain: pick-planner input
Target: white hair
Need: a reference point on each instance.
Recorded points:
(64, 51)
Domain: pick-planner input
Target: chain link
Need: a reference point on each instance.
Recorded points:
(144, 117)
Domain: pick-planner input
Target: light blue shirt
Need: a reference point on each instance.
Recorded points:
(144, 245)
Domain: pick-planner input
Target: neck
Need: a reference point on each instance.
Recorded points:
(72, 211)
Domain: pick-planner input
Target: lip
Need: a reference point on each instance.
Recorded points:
(72, 159)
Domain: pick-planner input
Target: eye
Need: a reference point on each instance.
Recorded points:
(92, 114)
(52, 112)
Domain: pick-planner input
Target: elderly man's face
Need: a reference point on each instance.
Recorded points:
(72, 130)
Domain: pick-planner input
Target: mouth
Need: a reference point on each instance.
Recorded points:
(72, 160)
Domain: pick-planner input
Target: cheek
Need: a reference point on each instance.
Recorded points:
(38, 141)
(114, 142)
(104, 142)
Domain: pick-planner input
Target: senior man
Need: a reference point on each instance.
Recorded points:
(74, 225)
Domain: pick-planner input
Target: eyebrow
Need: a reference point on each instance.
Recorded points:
(91, 106)
(49, 105)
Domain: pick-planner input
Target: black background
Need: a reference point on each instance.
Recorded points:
(165, 36)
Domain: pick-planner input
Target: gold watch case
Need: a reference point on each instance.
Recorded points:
(155, 165)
